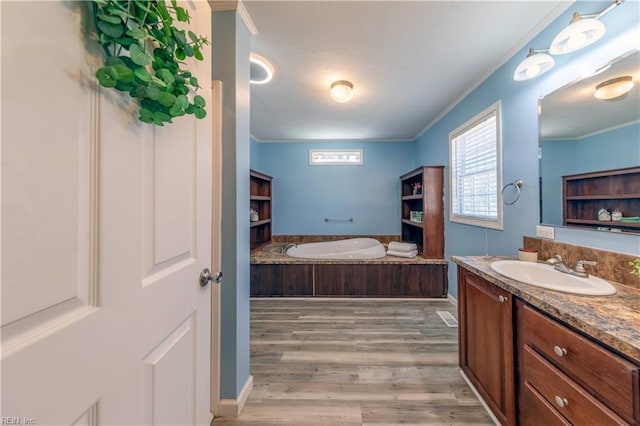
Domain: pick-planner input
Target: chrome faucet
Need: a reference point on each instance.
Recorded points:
(579, 270)
(286, 247)
(558, 264)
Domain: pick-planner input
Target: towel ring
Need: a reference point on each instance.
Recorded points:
(517, 184)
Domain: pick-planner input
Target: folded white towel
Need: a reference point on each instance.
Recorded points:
(410, 254)
(402, 247)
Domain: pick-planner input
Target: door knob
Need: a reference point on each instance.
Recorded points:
(206, 276)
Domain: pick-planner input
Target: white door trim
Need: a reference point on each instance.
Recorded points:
(216, 232)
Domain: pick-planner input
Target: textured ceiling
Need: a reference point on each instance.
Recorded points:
(572, 112)
(408, 61)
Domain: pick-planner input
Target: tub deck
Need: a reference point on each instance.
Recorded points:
(276, 274)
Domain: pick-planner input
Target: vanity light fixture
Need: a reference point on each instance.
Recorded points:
(614, 88)
(341, 91)
(582, 31)
(536, 63)
(263, 71)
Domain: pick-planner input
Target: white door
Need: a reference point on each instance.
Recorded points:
(106, 225)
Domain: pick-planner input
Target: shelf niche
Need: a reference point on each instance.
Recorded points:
(260, 200)
(586, 193)
(428, 235)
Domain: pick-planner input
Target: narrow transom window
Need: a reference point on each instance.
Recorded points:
(335, 157)
(475, 151)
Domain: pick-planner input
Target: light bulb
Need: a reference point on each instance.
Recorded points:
(533, 70)
(576, 41)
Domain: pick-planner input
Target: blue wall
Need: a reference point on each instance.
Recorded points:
(371, 194)
(303, 195)
(520, 132)
(614, 149)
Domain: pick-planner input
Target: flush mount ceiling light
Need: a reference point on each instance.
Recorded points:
(582, 31)
(341, 91)
(614, 88)
(537, 62)
(261, 70)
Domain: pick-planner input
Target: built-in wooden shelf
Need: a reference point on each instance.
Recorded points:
(413, 223)
(428, 235)
(260, 222)
(260, 201)
(583, 195)
(604, 223)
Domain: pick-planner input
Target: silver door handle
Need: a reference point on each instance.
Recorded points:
(206, 276)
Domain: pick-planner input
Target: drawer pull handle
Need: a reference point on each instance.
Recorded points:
(562, 402)
(559, 351)
(502, 299)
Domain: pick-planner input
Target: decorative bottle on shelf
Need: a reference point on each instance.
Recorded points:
(604, 215)
(616, 215)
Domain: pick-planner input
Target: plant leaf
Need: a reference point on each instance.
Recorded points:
(193, 36)
(167, 99)
(165, 75)
(153, 92)
(109, 18)
(197, 54)
(112, 30)
(182, 101)
(139, 56)
(137, 34)
(199, 101)
(194, 82)
(123, 73)
(200, 113)
(163, 116)
(113, 60)
(105, 77)
(142, 74)
(181, 14)
(180, 53)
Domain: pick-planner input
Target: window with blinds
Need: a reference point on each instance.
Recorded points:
(476, 170)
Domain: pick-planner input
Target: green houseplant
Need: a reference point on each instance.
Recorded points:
(144, 53)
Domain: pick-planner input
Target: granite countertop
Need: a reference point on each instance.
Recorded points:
(613, 320)
(270, 254)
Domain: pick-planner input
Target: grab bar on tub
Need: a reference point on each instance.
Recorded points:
(326, 219)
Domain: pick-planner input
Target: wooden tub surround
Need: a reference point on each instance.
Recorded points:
(276, 274)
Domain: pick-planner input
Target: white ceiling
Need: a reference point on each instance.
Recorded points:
(409, 61)
(572, 112)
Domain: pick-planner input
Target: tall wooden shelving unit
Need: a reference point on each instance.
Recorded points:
(260, 201)
(428, 235)
(584, 194)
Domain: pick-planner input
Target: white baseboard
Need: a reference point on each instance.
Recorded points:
(452, 300)
(233, 407)
(484, 404)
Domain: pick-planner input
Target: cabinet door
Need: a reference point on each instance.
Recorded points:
(486, 342)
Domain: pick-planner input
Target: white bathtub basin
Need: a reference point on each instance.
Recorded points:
(353, 248)
(542, 275)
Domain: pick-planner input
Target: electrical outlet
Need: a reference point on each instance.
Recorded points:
(545, 232)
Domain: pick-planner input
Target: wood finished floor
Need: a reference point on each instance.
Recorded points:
(355, 362)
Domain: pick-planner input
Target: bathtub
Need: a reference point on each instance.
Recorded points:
(354, 248)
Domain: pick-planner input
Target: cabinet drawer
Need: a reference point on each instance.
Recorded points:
(568, 398)
(607, 375)
(536, 411)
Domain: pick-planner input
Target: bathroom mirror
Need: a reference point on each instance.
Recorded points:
(580, 133)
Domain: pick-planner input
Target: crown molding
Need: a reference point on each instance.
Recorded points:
(238, 6)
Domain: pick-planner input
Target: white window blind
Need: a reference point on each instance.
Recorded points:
(475, 170)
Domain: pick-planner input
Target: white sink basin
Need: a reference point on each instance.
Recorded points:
(542, 275)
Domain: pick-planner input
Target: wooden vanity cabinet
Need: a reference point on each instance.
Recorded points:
(564, 375)
(485, 316)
